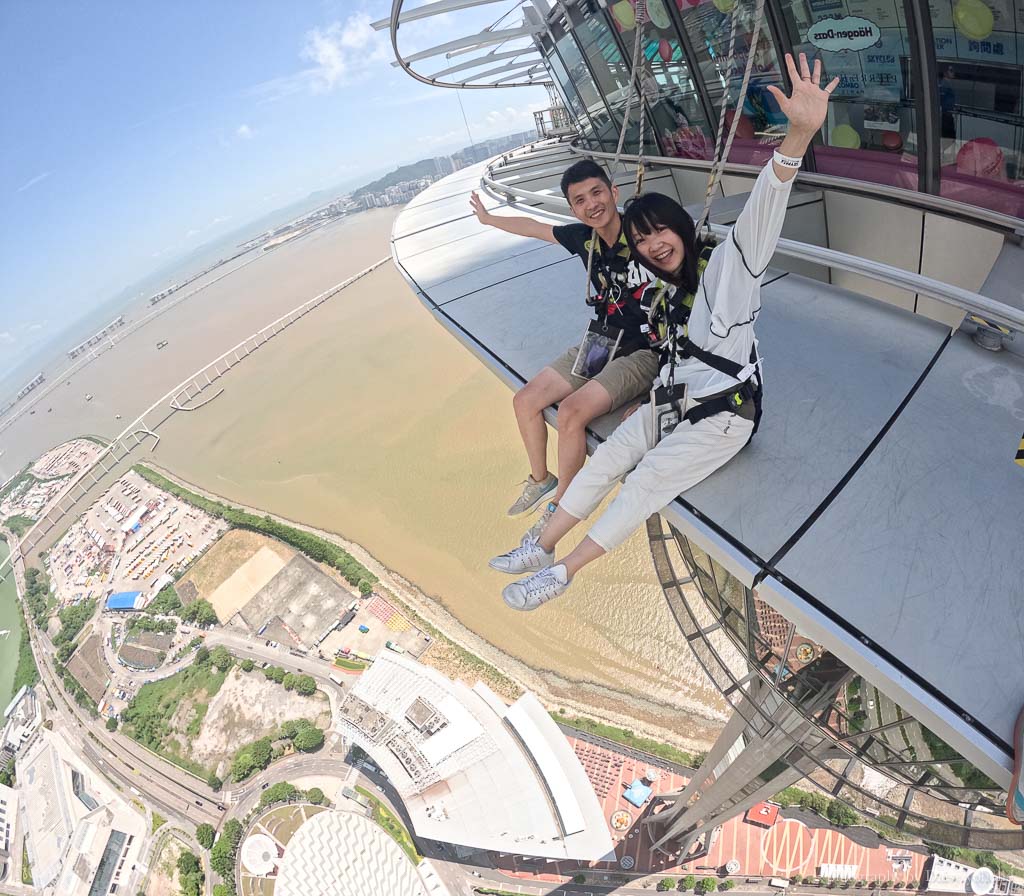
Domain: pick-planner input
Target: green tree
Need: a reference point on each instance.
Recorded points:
(214, 783)
(248, 665)
(726, 885)
(202, 657)
(666, 884)
(222, 856)
(309, 739)
(305, 685)
(274, 673)
(579, 879)
(188, 863)
(242, 766)
(200, 612)
(205, 834)
(221, 657)
(316, 796)
(289, 681)
(278, 793)
(688, 882)
(365, 588)
(112, 723)
(708, 884)
(223, 890)
(166, 603)
(841, 814)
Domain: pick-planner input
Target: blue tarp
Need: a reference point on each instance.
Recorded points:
(638, 793)
(124, 600)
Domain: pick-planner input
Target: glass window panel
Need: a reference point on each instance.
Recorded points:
(871, 130)
(979, 91)
(604, 128)
(570, 98)
(678, 117)
(611, 71)
(708, 30)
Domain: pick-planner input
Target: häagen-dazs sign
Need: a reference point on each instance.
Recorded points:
(846, 33)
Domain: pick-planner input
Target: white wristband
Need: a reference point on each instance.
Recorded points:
(786, 161)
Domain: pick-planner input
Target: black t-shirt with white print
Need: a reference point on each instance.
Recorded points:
(618, 280)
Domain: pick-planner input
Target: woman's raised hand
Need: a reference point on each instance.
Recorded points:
(807, 104)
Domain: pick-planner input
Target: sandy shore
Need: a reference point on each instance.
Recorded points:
(594, 701)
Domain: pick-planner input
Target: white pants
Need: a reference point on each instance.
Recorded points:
(686, 456)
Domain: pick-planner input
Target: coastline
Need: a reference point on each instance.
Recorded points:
(597, 702)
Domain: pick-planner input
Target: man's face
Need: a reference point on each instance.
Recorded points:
(593, 202)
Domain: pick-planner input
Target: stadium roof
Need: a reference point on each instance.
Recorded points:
(124, 600)
(471, 770)
(342, 852)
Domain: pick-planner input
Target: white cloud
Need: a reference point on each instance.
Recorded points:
(220, 219)
(192, 232)
(244, 131)
(6, 338)
(37, 326)
(340, 53)
(31, 183)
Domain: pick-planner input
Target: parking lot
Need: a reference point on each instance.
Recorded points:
(131, 539)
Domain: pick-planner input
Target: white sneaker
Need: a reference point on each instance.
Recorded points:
(531, 592)
(528, 557)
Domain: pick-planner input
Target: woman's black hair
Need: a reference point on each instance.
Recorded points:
(648, 211)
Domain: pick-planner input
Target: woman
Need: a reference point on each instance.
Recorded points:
(713, 355)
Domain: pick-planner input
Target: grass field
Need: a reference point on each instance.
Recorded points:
(394, 827)
(233, 550)
(160, 715)
(352, 665)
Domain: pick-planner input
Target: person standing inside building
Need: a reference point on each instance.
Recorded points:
(711, 399)
(601, 380)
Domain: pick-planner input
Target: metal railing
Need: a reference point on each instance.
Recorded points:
(909, 198)
(953, 296)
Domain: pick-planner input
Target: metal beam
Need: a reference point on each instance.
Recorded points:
(480, 60)
(483, 39)
(503, 70)
(431, 9)
(530, 73)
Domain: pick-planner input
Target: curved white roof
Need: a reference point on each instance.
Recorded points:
(345, 854)
(259, 854)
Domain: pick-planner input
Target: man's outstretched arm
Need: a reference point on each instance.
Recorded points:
(519, 225)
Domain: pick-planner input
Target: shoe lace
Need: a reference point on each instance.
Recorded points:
(543, 581)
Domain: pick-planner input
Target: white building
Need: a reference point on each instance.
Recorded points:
(471, 770)
(81, 837)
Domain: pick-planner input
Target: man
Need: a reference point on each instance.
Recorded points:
(619, 282)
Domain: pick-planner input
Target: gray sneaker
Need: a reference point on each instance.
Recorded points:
(531, 592)
(528, 557)
(534, 532)
(533, 493)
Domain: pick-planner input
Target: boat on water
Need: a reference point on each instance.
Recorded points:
(162, 343)
(88, 396)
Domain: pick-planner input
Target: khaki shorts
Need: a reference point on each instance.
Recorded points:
(624, 378)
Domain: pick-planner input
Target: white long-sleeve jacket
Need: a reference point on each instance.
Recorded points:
(728, 298)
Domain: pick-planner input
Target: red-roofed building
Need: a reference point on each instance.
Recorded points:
(764, 815)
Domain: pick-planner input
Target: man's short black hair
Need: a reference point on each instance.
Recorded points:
(583, 170)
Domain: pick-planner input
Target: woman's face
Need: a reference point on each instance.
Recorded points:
(663, 248)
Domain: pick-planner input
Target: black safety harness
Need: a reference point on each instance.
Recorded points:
(674, 343)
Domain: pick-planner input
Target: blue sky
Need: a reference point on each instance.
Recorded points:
(133, 133)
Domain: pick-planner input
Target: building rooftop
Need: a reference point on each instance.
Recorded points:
(343, 852)
(475, 772)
